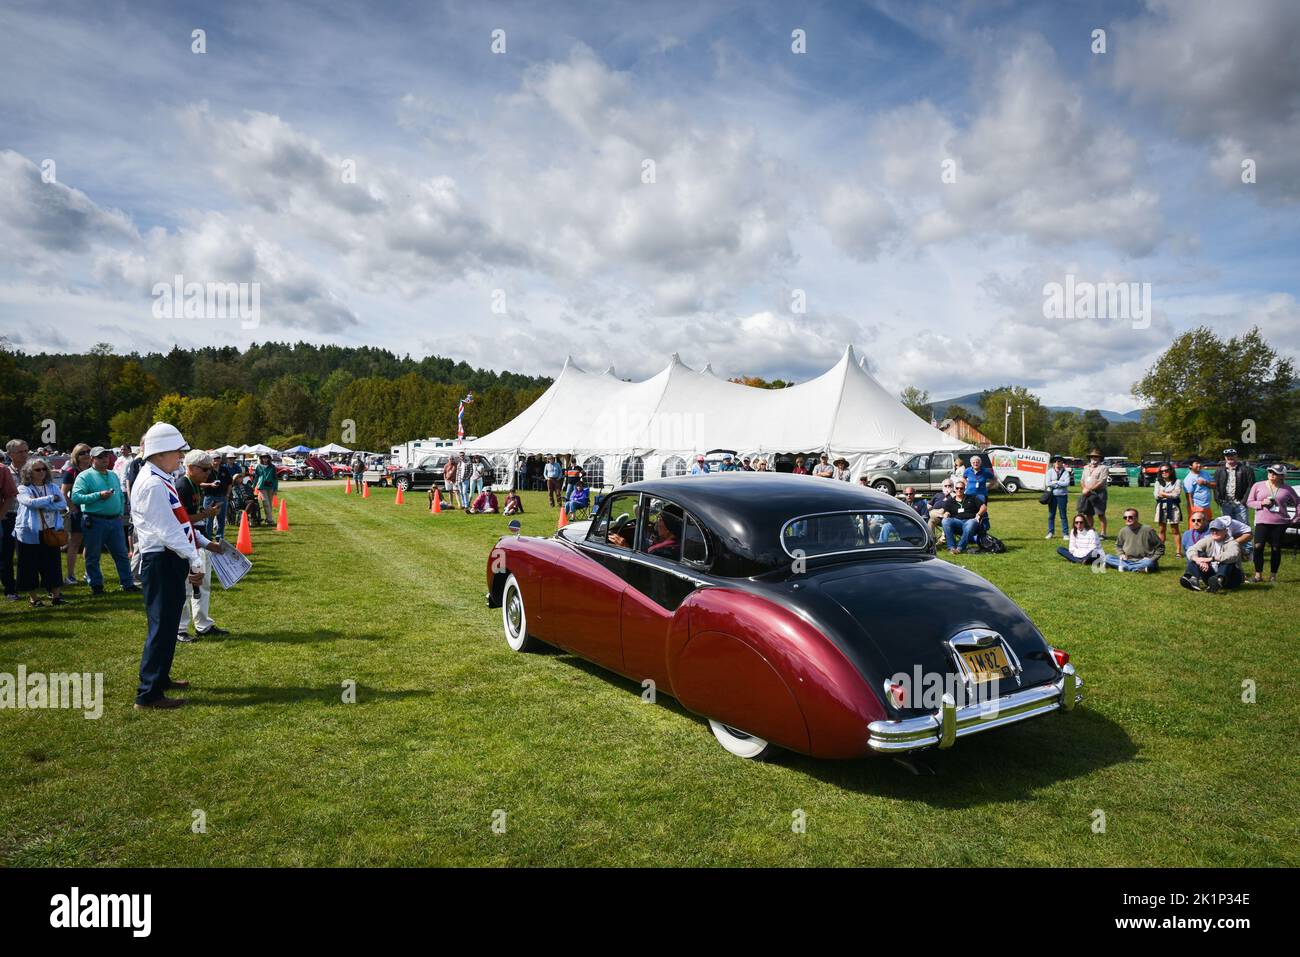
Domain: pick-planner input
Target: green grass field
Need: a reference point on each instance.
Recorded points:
(449, 727)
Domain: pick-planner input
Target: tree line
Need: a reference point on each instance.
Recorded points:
(278, 393)
(1202, 395)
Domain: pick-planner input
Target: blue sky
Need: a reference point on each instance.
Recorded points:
(515, 180)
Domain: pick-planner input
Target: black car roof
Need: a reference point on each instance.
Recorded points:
(746, 510)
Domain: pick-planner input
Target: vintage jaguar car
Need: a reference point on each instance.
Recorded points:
(790, 611)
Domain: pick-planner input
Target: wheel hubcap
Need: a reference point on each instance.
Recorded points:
(514, 612)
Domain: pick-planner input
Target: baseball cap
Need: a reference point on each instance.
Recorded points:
(1277, 468)
(97, 451)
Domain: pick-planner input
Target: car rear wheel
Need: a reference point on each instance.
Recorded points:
(883, 485)
(741, 744)
(403, 483)
(514, 618)
(1011, 486)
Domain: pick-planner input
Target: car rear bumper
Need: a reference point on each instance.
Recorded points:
(942, 728)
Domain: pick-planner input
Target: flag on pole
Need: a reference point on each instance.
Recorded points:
(460, 416)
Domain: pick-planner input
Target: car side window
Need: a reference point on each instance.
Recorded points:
(616, 523)
(917, 463)
(663, 529)
(942, 460)
(695, 547)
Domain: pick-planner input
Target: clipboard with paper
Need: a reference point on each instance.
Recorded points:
(229, 565)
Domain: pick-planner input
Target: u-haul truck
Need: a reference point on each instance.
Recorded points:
(1018, 468)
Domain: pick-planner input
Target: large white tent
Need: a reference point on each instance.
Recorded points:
(621, 431)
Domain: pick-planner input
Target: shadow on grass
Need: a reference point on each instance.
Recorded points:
(1008, 764)
(250, 695)
(286, 637)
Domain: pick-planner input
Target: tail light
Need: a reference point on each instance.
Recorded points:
(896, 693)
(1062, 657)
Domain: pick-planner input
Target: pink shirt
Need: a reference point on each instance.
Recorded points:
(1283, 496)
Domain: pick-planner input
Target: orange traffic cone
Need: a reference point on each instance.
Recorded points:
(365, 490)
(244, 544)
(348, 488)
(401, 499)
(275, 501)
(282, 523)
(436, 507)
(564, 518)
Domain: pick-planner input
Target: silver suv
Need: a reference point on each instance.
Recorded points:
(924, 472)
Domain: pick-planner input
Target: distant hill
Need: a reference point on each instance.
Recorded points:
(971, 403)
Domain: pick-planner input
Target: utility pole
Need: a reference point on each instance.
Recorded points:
(1006, 426)
(1023, 443)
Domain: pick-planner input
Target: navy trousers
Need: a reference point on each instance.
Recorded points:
(162, 577)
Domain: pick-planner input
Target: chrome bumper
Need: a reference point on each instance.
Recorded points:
(949, 723)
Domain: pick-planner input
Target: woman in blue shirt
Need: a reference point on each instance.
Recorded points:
(40, 506)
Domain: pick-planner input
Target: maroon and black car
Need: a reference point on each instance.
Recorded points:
(794, 613)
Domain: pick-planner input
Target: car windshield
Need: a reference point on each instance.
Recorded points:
(839, 532)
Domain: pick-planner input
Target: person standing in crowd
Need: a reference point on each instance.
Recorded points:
(1214, 562)
(841, 470)
(40, 511)
(449, 480)
(1138, 548)
(16, 449)
(823, 468)
(265, 484)
(189, 489)
(700, 467)
(98, 493)
(169, 564)
(358, 471)
(478, 477)
(521, 472)
(1198, 487)
(798, 467)
(760, 465)
(551, 472)
(132, 472)
(1058, 484)
(124, 457)
(963, 513)
(1232, 482)
(1274, 503)
(78, 462)
(1093, 483)
(216, 492)
(1085, 546)
(464, 474)
(1169, 511)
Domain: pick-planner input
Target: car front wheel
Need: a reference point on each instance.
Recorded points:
(514, 618)
(740, 744)
(883, 485)
(403, 483)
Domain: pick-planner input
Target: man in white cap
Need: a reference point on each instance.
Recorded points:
(169, 556)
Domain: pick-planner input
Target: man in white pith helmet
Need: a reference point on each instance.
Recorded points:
(169, 560)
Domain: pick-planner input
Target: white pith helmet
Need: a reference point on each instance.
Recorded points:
(162, 437)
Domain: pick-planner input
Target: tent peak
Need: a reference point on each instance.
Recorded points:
(570, 364)
(610, 372)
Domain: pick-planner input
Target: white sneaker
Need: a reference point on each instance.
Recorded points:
(1049, 536)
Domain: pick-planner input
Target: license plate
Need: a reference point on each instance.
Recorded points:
(987, 664)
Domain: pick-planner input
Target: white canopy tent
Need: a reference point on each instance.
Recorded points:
(331, 449)
(623, 431)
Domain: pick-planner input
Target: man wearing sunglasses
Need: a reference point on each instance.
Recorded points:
(1138, 548)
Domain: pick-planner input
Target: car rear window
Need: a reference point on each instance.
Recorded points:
(837, 533)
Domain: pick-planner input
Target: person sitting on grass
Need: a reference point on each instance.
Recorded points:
(514, 505)
(485, 503)
(1138, 548)
(1196, 530)
(1214, 562)
(579, 498)
(1085, 546)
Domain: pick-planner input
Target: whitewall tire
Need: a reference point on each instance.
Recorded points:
(514, 618)
(740, 744)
